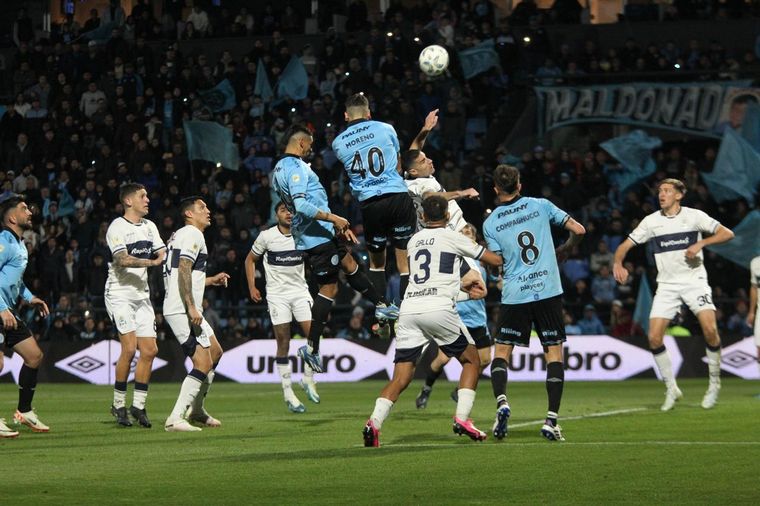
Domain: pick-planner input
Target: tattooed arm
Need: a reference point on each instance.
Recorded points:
(185, 285)
(123, 259)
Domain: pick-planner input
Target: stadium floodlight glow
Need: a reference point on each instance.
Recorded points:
(292, 109)
(389, 34)
(526, 39)
(677, 66)
(348, 74)
(218, 164)
(416, 39)
(329, 125)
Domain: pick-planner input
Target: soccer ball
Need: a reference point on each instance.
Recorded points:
(434, 60)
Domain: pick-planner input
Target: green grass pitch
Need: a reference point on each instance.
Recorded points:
(265, 455)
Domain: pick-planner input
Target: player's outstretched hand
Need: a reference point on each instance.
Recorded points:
(349, 236)
(40, 305)
(620, 273)
(431, 120)
(159, 258)
(255, 294)
(341, 224)
(219, 279)
(469, 193)
(9, 321)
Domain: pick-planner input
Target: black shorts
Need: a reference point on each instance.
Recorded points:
(516, 321)
(12, 337)
(481, 337)
(388, 217)
(454, 349)
(324, 260)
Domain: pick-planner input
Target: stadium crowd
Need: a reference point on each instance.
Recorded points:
(87, 116)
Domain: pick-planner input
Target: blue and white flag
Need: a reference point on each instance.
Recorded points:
(262, 87)
(294, 81)
(751, 126)
(634, 152)
(210, 141)
(478, 59)
(101, 34)
(746, 242)
(643, 304)
(219, 98)
(736, 172)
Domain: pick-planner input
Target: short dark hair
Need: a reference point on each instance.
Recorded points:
(357, 100)
(408, 158)
(188, 202)
(506, 178)
(10, 203)
(435, 208)
(744, 99)
(278, 204)
(128, 189)
(293, 130)
(676, 183)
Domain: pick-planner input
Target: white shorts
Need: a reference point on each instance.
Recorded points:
(132, 316)
(284, 311)
(180, 326)
(669, 297)
(444, 327)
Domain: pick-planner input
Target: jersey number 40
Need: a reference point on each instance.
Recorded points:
(357, 164)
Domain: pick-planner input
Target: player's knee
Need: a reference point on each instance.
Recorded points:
(655, 341)
(34, 359)
(128, 350)
(485, 361)
(148, 351)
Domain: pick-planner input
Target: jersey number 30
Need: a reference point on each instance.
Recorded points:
(374, 154)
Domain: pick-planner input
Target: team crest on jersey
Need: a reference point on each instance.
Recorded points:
(2, 248)
(334, 260)
(296, 178)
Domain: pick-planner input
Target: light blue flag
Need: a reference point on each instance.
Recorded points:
(736, 172)
(101, 34)
(643, 304)
(262, 87)
(478, 59)
(746, 242)
(634, 152)
(294, 81)
(210, 141)
(751, 126)
(219, 98)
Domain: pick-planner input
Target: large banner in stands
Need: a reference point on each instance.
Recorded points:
(704, 109)
(587, 358)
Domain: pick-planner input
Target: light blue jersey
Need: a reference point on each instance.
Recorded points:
(13, 259)
(473, 312)
(521, 231)
(369, 152)
(299, 188)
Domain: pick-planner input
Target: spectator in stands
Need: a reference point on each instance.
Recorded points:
(590, 324)
(355, 330)
(603, 286)
(571, 328)
(198, 19)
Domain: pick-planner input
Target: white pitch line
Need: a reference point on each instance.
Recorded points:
(581, 417)
(581, 443)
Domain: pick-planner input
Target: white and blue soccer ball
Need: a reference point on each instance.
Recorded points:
(434, 60)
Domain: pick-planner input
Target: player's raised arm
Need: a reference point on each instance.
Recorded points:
(473, 286)
(431, 120)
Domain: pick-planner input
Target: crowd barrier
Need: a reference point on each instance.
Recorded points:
(587, 358)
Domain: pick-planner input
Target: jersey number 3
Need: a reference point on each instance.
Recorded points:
(357, 165)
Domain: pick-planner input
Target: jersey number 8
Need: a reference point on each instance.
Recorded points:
(528, 250)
